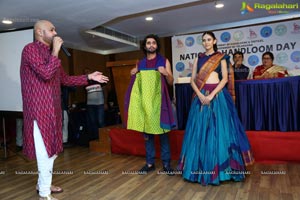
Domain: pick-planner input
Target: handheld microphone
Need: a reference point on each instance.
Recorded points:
(65, 50)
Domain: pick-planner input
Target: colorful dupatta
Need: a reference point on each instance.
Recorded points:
(209, 66)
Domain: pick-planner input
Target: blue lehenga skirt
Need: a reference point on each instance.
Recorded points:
(215, 146)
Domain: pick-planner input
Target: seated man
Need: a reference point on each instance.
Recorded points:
(268, 69)
(241, 72)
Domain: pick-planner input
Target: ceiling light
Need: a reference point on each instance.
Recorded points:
(149, 18)
(219, 4)
(6, 21)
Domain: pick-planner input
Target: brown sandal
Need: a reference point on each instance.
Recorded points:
(54, 189)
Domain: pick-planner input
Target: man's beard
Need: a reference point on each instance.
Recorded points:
(150, 51)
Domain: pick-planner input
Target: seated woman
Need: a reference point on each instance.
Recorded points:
(268, 69)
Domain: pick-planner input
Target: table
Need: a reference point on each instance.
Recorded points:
(183, 94)
(272, 105)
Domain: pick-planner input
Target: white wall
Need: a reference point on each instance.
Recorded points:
(11, 46)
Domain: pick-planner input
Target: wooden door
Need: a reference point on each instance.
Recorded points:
(121, 76)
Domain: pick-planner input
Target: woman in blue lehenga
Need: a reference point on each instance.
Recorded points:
(215, 146)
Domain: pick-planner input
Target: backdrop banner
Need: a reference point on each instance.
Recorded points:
(281, 38)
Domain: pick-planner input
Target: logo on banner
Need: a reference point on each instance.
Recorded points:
(180, 66)
(252, 34)
(189, 41)
(199, 39)
(266, 31)
(271, 8)
(296, 28)
(280, 30)
(246, 8)
(282, 58)
(238, 35)
(295, 56)
(179, 43)
(225, 37)
(253, 60)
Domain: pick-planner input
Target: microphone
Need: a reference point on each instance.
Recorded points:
(65, 50)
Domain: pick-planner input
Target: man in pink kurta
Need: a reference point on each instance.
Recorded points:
(41, 78)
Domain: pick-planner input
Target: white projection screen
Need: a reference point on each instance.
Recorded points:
(11, 46)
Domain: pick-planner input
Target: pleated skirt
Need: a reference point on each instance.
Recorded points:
(215, 146)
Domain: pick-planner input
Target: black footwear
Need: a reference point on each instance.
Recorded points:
(19, 148)
(146, 169)
(168, 170)
(67, 145)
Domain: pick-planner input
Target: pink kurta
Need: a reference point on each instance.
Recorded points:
(41, 78)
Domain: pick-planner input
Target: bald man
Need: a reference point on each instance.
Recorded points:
(41, 77)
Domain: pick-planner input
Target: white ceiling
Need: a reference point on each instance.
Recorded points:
(73, 18)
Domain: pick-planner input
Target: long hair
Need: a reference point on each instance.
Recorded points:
(155, 37)
(213, 36)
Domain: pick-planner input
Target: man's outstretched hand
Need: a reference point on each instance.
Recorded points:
(98, 76)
